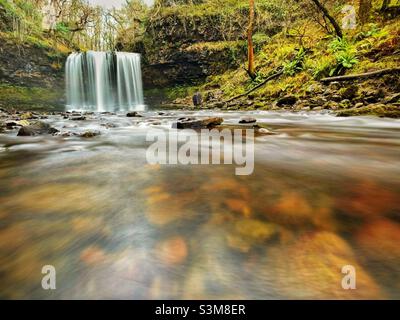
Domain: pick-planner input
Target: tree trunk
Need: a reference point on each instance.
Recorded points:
(364, 10)
(331, 19)
(250, 48)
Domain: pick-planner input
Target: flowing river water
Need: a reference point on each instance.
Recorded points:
(324, 194)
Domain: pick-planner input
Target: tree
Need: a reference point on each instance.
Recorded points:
(331, 19)
(250, 47)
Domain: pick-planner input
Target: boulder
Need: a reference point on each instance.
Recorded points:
(78, 118)
(247, 120)
(36, 128)
(189, 123)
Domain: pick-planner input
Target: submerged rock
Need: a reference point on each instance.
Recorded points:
(188, 123)
(78, 118)
(36, 128)
(134, 114)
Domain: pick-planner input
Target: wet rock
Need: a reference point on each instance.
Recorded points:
(247, 120)
(197, 124)
(286, 101)
(90, 134)
(346, 103)
(379, 109)
(28, 116)
(134, 114)
(77, 118)
(36, 128)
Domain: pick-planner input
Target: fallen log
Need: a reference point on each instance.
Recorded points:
(361, 75)
(271, 77)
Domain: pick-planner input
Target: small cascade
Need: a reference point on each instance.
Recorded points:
(104, 81)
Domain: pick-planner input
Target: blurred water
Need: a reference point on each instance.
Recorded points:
(324, 194)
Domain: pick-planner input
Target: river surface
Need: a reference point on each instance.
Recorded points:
(324, 194)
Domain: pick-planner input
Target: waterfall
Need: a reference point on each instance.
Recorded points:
(104, 81)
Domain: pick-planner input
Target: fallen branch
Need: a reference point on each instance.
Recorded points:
(271, 77)
(361, 75)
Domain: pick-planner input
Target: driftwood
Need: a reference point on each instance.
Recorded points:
(271, 77)
(361, 75)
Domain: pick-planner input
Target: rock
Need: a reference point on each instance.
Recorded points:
(77, 118)
(249, 232)
(197, 99)
(334, 86)
(36, 128)
(373, 96)
(134, 114)
(172, 251)
(197, 124)
(310, 268)
(359, 105)
(286, 101)
(392, 98)
(315, 88)
(346, 103)
(28, 116)
(90, 134)
(247, 120)
(264, 131)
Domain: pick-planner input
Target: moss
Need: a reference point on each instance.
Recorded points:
(30, 98)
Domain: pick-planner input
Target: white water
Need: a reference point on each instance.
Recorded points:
(104, 81)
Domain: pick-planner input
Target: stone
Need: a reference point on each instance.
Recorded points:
(392, 98)
(334, 85)
(346, 103)
(359, 105)
(247, 120)
(197, 99)
(286, 101)
(188, 123)
(36, 128)
(77, 118)
(349, 92)
(134, 114)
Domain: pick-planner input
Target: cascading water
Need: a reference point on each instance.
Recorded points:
(104, 81)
